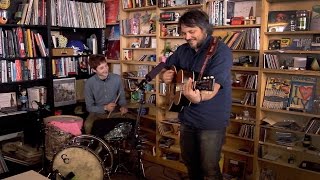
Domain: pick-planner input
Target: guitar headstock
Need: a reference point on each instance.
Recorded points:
(206, 83)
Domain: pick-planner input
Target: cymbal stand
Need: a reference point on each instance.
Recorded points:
(120, 168)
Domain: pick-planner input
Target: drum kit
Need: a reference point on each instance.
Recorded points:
(72, 154)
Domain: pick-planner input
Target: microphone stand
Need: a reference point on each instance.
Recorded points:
(41, 126)
(141, 86)
(138, 141)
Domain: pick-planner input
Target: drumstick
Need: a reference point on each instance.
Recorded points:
(114, 102)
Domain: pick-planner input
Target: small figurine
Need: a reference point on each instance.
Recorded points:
(23, 99)
(152, 26)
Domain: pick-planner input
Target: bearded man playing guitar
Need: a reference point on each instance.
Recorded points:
(204, 121)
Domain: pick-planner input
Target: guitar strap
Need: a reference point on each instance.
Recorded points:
(210, 52)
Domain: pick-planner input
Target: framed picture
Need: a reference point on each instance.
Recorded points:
(279, 21)
(8, 100)
(64, 91)
(302, 93)
(145, 42)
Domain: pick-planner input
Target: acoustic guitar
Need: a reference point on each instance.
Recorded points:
(174, 90)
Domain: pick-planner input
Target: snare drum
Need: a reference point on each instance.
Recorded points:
(59, 131)
(87, 157)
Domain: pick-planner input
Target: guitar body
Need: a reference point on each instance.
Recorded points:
(175, 90)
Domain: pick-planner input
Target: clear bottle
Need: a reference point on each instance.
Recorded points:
(302, 20)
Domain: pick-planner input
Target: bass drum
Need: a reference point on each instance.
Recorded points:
(86, 157)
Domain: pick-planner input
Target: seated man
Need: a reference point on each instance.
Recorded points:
(103, 91)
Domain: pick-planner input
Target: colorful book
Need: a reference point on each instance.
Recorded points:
(276, 94)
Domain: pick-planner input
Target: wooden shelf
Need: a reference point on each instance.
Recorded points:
(238, 26)
(287, 148)
(243, 89)
(291, 72)
(173, 148)
(235, 151)
(242, 121)
(139, 62)
(287, 130)
(113, 61)
(138, 35)
(168, 22)
(245, 50)
(112, 24)
(140, 9)
(283, 163)
(291, 52)
(242, 68)
(234, 142)
(292, 33)
(141, 49)
(172, 37)
(276, 1)
(238, 137)
(196, 6)
(242, 105)
(290, 112)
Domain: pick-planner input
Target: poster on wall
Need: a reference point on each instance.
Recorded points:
(64, 91)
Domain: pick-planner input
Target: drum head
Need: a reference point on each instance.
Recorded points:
(81, 161)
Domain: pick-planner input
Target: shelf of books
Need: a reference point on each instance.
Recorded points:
(138, 44)
(240, 30)
(289, 101)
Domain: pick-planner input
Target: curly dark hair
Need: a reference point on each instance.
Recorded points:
(196, 18)
(96, 59)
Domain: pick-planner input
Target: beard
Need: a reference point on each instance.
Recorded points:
(195, 43)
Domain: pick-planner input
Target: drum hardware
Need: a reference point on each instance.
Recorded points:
(117, 137)
(120, 168)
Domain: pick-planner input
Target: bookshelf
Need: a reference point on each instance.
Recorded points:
(284, 160)
(138, 57)
(23, 62)
(28, 47)
(241, 133)
(136, 50)
(250, 74)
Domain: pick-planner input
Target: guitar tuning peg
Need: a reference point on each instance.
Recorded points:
(211, 77)
(204, 78)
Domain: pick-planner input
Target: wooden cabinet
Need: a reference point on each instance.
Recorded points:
(244, 41)
(137, 58)
(145, 39)
(283, 147)
(248, 138)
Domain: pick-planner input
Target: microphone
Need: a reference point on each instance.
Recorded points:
(151, 75)
(155, 71)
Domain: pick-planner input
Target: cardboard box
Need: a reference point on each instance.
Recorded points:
(63, 52)
(27, 175)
